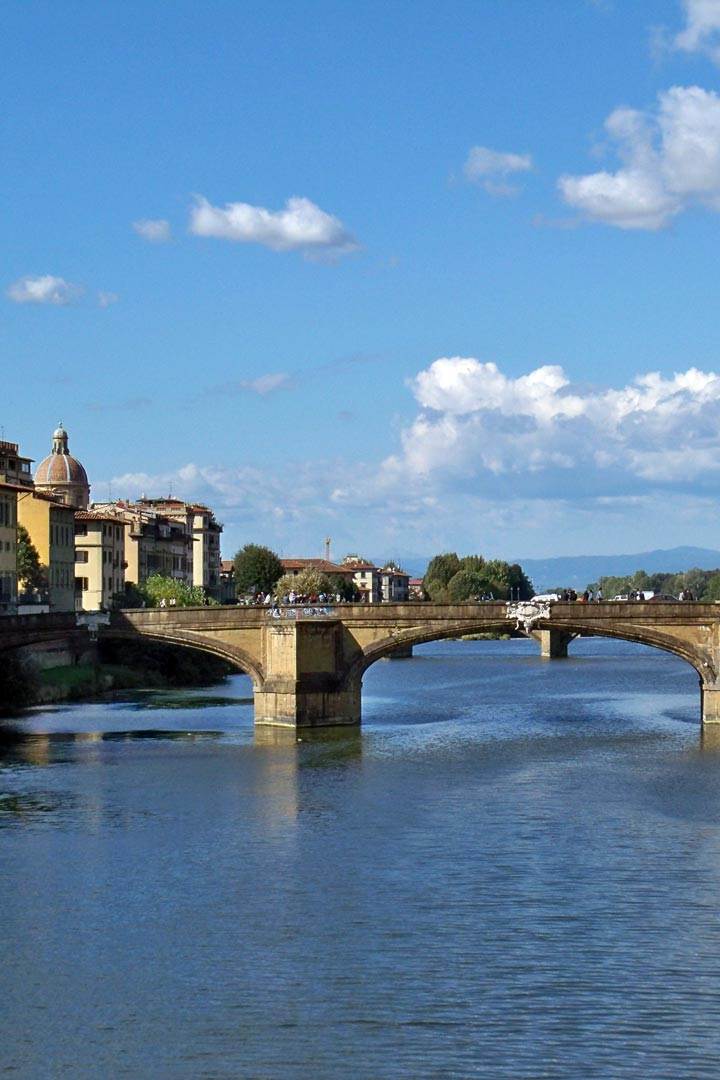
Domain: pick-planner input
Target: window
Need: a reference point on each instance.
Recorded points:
(81, 556)
(81, 528)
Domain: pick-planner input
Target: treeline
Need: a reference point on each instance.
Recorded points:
(449, 578)
(703, 584)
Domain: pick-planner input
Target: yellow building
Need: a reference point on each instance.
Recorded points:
(99, 559)
(8, 548)
(154, 543)
(51, 525)
(199, 522)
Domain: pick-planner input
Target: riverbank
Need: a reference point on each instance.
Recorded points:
(119, 666)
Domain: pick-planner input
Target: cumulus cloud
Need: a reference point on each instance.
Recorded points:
(492, 167)
(46, 289)
(701, 33)
(528, 462)
(300, 226)
(156, 230)
(478, 426)
(670, 161)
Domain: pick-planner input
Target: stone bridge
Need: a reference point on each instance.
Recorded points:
(307, 664)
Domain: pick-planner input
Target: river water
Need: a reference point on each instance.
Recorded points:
(513, 870)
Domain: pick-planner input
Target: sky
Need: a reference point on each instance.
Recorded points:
(411, 276)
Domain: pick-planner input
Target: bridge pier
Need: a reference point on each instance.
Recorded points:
(710, 703)
(303, 685)
(553, 643)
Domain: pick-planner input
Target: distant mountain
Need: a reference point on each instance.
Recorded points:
(577, 571)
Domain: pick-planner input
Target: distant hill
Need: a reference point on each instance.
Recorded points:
(577, 571)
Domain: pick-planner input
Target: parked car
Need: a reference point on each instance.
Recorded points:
(663, 598)
(547, 597)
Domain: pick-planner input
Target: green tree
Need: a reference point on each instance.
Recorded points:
(468, 584)
(256, 567)
(309, 582)
(712, 589)
(172, 591)
(31, 573)
(442, 567)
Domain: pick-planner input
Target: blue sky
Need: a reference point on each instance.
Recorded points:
(529, 185)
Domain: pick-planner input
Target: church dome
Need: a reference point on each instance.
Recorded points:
(62, 474)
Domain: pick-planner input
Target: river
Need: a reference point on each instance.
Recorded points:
(513, 870)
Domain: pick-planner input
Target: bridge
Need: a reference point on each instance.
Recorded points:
(307, 663)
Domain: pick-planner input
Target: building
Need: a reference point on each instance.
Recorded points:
(14, 468)
(205, 531)
(51, 525)
(416, 588)
(99, 559)
(62, 475)
(366, 578)
(8, 548)
(228, 592)
(394, 584)
(154, 543)
(323, 566)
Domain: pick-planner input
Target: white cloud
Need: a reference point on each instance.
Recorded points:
(478, 425)
(156, 230)
(491, 167)
(46, 289)
(670, 162)
(300, 226)
(509, 464)
(702, 30)
(107, 299)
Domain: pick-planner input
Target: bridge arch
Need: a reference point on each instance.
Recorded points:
(215, 647)
(695, 657)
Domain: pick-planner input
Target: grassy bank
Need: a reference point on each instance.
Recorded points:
(120, 666)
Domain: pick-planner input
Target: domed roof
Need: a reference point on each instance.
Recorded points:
(60, 467)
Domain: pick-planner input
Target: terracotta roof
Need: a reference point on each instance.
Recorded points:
(60, 469)
(97, 515)
(227, 566)
(15, 487)
(47, 497)
(322, 565)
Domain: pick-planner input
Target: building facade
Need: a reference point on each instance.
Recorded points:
(154, 543)
(366, 578)
(51, 526)
(205, 531)
(99, 560)
(14, 468)
(394, 584)
(8, 549)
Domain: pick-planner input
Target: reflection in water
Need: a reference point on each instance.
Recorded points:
(710, 738)
(511, 871)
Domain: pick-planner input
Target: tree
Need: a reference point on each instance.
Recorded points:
(31, 573)
(159, 587)
(440, 569)
(469, 584)
(449, 578)
(309, 582)
(712, 589)
(256, 567)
